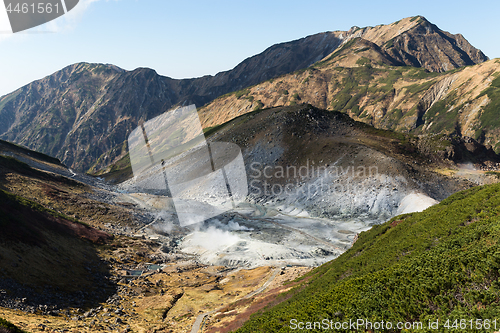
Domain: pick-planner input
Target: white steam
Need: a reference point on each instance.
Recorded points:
(210, 240)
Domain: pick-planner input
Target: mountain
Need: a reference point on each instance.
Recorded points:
(360, 170)
(353, 169)
(366, 82)
(83, 113)
(440, 264)
(418, 43)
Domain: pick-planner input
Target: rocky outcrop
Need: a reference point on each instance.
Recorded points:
(427, 46)
(416, 42)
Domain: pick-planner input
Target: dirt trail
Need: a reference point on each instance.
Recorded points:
(200, 320)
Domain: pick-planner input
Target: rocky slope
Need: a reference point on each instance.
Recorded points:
(362, 80)
(417, 42)
(83, 113)
(59, 274)
(324, 164)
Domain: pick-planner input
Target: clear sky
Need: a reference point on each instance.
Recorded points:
(184, 39)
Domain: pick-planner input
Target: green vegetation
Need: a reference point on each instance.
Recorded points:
(364, 114)
(340, 101)
(494, 173)
(437, 142)
(210, 130)
(259, 106)
(392, 77)
(19, 202)
(490, 119)
(295, 98)
(389, 43)
(441, 116)
(443, 263)
(417, 73)
(393, 116)
(418, 88)
(419, 18)
(361, 50)
(9, 327)
(6, 99)
(241, 93)
(117, 172)
(102, 69)
(363, 61)
(353, 87)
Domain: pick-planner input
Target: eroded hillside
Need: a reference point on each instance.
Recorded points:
(361, 80)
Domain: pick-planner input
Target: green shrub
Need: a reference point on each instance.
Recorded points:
(259, 106)
(363, 61)
(11, 328)
(241, 93)
(442, 263)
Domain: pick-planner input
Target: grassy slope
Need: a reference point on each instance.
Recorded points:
(117, 172)
(8, 327)
(489, 118)
(42, 241)
(442, 263)
(6, 146)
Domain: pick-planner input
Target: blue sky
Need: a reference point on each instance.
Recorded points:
(193, 38)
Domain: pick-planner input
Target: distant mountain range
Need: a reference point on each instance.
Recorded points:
(386, 75)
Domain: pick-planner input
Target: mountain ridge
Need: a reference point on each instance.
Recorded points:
(82, 114)
(360, 80)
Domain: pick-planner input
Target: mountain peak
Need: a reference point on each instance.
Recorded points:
(414, 41)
